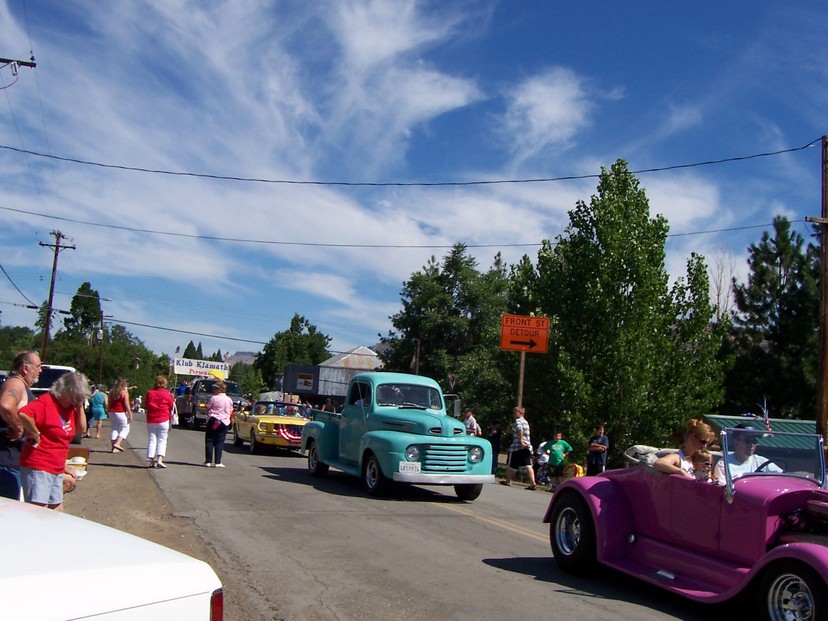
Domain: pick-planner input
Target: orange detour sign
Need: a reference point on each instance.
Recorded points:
(524, 333)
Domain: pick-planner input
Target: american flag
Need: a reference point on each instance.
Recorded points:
(178, 349)
(765, 416)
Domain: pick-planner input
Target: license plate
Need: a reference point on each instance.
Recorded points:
(410, 467)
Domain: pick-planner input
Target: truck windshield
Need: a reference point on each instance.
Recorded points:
(409, 395)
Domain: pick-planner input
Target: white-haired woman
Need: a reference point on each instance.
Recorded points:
(51, 422)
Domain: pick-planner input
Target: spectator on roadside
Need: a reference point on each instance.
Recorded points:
(494, 440)
(51, 421)
(160, 404)
(98, 404)
(472, 428)
(520, 451)
(558, 449)
(219, 417)
(120, 415)
(697, 436)
(597, 451)
(15, 392)
(328, 406)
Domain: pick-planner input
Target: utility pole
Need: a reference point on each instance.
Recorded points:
(822, 381)
(57, 248)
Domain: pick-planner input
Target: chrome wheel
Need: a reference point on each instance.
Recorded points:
(793, 594)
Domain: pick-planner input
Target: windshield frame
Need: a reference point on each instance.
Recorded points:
(803, 450)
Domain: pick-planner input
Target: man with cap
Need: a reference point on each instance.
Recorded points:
(472, 428)
(743, 459)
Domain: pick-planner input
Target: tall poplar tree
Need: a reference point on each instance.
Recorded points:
(625, 349)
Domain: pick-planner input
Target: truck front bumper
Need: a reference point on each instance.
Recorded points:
(424, 478)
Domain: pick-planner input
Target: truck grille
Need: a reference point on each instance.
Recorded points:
(444, 458)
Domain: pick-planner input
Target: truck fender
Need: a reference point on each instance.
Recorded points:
(387, 447)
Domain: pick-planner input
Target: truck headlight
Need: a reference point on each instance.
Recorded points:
(475, 454)
(412, 453)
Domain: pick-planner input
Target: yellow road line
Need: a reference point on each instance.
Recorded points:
(496, 522)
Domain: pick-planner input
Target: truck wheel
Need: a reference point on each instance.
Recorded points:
(237, 439)
(792, 590)
(315, 467)
(375, 482)
(572, 535)
(468, 492)
(254, 447)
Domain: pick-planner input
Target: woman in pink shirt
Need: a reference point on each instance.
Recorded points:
(159, 404)
(219, 417)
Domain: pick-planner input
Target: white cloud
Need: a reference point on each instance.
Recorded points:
(545, 111)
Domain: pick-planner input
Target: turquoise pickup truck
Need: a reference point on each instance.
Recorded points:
(394, 428)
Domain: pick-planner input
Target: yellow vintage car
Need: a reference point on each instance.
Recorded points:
(272, 423)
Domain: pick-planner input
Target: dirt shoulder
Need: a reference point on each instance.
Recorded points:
(119, 491)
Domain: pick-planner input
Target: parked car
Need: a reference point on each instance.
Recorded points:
(202, 390)
(273, 423)
(764, 531)
(48, 578)
(49, 373)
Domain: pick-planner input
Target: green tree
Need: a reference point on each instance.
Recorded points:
(302, 343)
(622, 345)
(190, 352)
(448, 329)
(84, 313)
(776, 326)
(12, 340)
(248, 377)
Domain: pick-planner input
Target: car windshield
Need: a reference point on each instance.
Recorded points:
(232, 389)
(757, 450)
(276, 408)
(409, 395)
(48, 376)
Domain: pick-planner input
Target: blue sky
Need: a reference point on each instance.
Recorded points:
(378, 92)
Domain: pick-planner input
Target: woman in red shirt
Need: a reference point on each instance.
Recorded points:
(120, 415)
(51, 421)
(159, 405)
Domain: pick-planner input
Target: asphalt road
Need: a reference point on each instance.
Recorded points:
(320, 549)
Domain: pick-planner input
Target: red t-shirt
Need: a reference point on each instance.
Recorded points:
(56, 426)
(120, 404)
(159, 403)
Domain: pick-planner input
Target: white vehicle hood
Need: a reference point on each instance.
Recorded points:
(61, 567)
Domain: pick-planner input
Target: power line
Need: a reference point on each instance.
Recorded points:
(175, 173)
(330, 245)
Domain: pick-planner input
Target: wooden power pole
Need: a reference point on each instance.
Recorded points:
(822, 381)
(57, 248)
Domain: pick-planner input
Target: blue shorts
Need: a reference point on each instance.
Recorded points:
(41, 488)
(10, 482)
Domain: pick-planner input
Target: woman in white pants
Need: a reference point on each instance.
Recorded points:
(159, 405)
(120, 415)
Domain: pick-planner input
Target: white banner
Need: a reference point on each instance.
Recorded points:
(187, 366)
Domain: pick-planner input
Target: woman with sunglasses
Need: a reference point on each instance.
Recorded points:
(697, 436)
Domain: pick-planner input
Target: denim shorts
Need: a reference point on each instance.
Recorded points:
(42, 488)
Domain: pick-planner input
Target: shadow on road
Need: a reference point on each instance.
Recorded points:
(607, 584)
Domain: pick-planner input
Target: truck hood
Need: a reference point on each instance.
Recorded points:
(415, 421)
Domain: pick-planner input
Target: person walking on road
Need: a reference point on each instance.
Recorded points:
(159, 406)
(120, 415)
(494, 440)
(520, 451)
(219, 418)
(98, 404)
(15, 392)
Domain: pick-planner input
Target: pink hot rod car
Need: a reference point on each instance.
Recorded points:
(761, 529)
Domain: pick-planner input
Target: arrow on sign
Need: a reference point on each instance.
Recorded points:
(530, 343)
